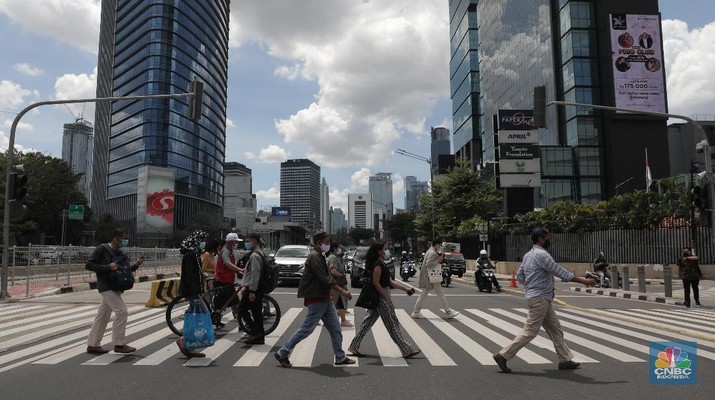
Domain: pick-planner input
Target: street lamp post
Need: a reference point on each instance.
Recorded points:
(431, 179)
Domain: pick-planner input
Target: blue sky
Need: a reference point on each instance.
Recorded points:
(342, 82)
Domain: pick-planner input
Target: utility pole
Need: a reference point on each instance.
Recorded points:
(431, 181)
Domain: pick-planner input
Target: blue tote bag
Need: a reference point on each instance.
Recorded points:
(198, 330)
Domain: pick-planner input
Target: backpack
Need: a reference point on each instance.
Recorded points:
(122, 278)
(269, 275)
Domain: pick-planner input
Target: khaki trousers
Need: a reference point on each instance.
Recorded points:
(541, 313)
(111, 301)
(437, 289)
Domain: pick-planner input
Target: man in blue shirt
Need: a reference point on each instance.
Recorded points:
(536, 274)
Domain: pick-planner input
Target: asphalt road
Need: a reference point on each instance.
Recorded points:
(41, 353)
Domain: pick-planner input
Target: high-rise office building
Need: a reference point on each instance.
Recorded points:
(339, 221)
(239, 202)
(572, 48)
(360, 210)
(440, 146)
(77, 145)
(414, 189)
(300, 190)
(150, 47)
(325, 205)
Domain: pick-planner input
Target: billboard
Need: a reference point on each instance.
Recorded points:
(280, 212)
(516, 120)
(637, 62)
(155, 200)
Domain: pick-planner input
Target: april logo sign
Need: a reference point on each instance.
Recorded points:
(673, 363)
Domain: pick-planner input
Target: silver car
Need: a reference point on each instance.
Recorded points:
(291, 261)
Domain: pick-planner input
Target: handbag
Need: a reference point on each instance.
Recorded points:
(435, 275)
(369, 298)
(198, 330)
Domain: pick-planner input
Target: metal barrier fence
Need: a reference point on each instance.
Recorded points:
(663, 246)
(36, 268)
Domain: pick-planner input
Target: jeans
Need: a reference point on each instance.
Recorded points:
(326, 312)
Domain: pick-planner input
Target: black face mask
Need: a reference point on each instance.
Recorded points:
(546, 244)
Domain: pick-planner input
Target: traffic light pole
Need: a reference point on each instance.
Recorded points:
(706, 147)
(11, 154)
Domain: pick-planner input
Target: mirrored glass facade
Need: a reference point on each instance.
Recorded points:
(152, 47)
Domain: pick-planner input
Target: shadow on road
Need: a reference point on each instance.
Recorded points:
(571, 376)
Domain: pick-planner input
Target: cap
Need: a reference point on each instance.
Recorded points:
(232, 237)
(483, 253)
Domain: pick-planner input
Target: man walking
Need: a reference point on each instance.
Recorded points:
(315, 287)
(105, 259)
(536, 274)
(251, 306)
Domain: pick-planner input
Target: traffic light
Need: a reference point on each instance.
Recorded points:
(18, 192)
(540, 107)
(699, 198)
(196, 102)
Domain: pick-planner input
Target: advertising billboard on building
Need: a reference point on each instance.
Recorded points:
(155, 200)
(516, 120)
(637, 62)
(280, 214)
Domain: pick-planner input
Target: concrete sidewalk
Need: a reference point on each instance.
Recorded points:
(655, 290)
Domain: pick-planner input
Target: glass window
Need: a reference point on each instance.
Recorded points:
(582, 131)
(589, 161)
(556, 161)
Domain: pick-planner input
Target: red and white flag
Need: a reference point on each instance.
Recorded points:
(648, 176)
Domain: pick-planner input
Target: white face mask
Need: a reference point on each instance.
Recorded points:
(324, 248)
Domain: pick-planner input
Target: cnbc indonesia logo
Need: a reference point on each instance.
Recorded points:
(673, 363)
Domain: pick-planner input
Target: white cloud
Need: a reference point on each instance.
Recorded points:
(398, 187)
(377, 64)
(360, 180)
(229, 123)
(75, 22)
(20, 125)
(249, 155)
(689, 60)
(81, 86)
(12, 95)
(271, 194)
(26, 69)
(273, 154)
(5, 143)
(339, 199)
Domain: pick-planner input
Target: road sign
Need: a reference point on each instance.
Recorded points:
(76, 212)
(519, 151)
(483, 237)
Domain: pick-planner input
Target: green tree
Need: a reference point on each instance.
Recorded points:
(401, 227)
(358, 235)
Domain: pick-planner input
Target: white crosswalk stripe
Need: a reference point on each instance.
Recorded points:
(608, 336)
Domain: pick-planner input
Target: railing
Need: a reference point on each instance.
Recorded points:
(34, 269)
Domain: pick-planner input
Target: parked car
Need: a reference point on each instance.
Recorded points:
(291, 262)
(456, 263)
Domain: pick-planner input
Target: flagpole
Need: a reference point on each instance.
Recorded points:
(647, 172)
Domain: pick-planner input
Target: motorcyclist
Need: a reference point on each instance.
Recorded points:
(600, 266)
(484, 262)
(404, 258)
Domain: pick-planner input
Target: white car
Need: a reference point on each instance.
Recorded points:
(291, 261)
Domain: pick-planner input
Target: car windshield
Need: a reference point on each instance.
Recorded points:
(455, 257)
(293, 252)
(360, 253)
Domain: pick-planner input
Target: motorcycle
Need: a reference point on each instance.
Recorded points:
(483, 279)
(407, 270)
(606, 280)
(446, 276)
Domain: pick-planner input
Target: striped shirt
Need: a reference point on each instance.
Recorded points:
(536, 273)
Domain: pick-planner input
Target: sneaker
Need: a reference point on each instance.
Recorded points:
(417, 315)
(569, 365)
(255, 340)
(452, 314)
(283, 360)
(347, 324)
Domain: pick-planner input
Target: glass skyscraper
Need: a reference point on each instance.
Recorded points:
(152, 47)
(300, 191)
(77, 145)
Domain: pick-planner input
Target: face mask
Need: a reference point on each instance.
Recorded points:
(202, 245)
(124, 243)
(386, 254)
(324, 248)
(546, 244)
(248, 245)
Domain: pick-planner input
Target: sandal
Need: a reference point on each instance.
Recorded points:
(412, 354)
(346, 361)
(355, 353)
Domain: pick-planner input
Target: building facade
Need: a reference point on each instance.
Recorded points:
(383, 207)
(239, 201)
(77, 150)
(567, 46)
(360, 211)
(300, 191)
(440, 145)
(414, 189)
(150, 47)
(339, 220)
(325, 216)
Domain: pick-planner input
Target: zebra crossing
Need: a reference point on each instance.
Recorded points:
(56, 335)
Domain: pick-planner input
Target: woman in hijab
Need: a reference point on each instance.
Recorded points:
(191, 276)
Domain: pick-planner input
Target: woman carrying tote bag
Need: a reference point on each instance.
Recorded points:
(430, 278)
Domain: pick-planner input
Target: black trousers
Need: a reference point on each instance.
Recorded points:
(251, 313)
(696, 291)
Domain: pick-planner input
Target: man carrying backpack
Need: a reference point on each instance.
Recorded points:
(251, 306)
(105, 259)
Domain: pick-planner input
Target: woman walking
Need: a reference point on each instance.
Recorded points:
(337, 270)
(382, 280)
(689, 272)
(433, 259)
(191, 276)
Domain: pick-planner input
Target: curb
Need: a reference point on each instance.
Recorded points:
(627, 295)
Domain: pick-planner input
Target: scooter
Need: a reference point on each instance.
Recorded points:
(606, 280)
(484, 278)
(446, 276)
